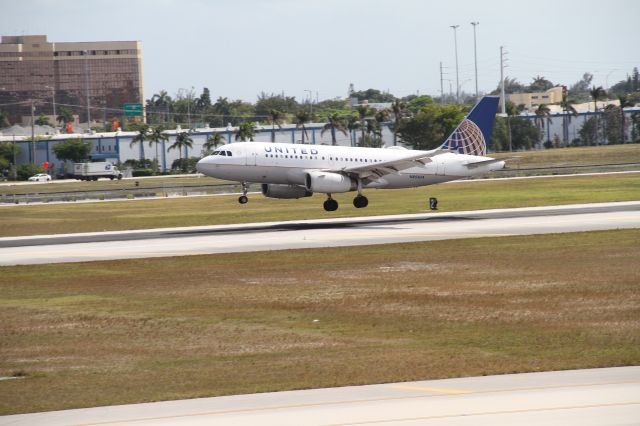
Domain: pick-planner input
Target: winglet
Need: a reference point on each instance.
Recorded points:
(472, 134)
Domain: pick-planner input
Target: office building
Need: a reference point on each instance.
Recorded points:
(89, 78)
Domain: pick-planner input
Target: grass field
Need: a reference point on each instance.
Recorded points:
(192, 211)
(86, 334)
(591, 155)
(108, 185)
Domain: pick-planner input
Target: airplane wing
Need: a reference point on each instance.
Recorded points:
(373, 171)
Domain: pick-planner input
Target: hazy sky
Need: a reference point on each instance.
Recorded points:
(238, 48)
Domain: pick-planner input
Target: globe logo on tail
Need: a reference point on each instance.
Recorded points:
(467, 139)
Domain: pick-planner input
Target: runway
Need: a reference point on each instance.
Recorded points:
(609, 396)
(317, 233)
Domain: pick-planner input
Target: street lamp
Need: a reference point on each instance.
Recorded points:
(53, 97)
(86, 83)
(455, 43)
(310, 104)
(475, 55)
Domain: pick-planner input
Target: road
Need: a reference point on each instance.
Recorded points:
(317, 233)
(609, 396)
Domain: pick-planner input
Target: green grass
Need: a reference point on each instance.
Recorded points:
(87, 334)
(192, 211)
(103, 185)
(591, 155)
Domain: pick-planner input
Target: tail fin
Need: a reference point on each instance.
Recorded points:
(472, 134)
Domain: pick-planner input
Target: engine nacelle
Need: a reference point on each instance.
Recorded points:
(328, 183)
(284, 191)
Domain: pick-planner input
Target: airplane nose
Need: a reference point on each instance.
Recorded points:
(204, 164)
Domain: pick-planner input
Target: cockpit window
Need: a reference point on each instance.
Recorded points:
(216, 153)
(229, 154)
(223, 152)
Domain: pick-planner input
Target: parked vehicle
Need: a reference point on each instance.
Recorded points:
(40, 177)
(93, 171)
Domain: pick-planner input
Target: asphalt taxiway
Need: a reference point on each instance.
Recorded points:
(609, 396)
(317, 233)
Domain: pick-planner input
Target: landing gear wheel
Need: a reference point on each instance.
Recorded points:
(360, 202)
(243, 198)
(330, 205)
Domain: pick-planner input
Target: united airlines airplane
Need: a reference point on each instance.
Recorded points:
(296, 171)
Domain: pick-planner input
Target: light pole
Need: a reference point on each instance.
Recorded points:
(189, 107)
(310, 104)
(455, 43)
(53, 98)
(86, 84)
(475, 55)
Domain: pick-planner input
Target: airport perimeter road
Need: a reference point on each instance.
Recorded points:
(317, 233)
(609, 396)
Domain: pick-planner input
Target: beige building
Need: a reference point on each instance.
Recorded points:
(89, 78)
(531, 101)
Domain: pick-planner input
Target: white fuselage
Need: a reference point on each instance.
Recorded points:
(277, 163)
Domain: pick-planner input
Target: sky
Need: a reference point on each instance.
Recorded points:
(317, 48)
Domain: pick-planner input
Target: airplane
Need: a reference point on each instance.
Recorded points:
(290, 171)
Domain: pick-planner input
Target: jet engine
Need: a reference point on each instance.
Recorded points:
(284, 191)
(327, 182)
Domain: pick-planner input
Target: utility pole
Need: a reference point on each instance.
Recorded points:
(504, 99)
(455, 42)
(53, 98)
(475, 55)
(441, 88)
(33, 133)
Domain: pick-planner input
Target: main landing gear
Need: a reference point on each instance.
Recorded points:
(331, 205)
(243, 199)
(360, 201)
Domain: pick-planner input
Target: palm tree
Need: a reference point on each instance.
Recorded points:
(4, 120)
(542, 113)
(162, 102)
(597, 93)
(182, 140)
(302, 117)
(212, 142)
(512, 111)
(399, 109)
(624, 103)
(353, 124)
(569, 111)
(246, 131)
(363, 113)
(334, 122)
(275, 118)
(140, 138)
(155, 137)
(65, 116)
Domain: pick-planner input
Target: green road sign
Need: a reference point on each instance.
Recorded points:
(133, 110)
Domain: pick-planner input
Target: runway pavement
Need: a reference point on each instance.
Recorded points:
(317, 233)
(609, 396)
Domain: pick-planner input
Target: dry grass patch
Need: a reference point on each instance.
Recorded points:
(143, 330)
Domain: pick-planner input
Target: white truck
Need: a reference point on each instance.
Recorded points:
(93, 171)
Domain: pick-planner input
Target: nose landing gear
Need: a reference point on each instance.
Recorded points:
(243, 199)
